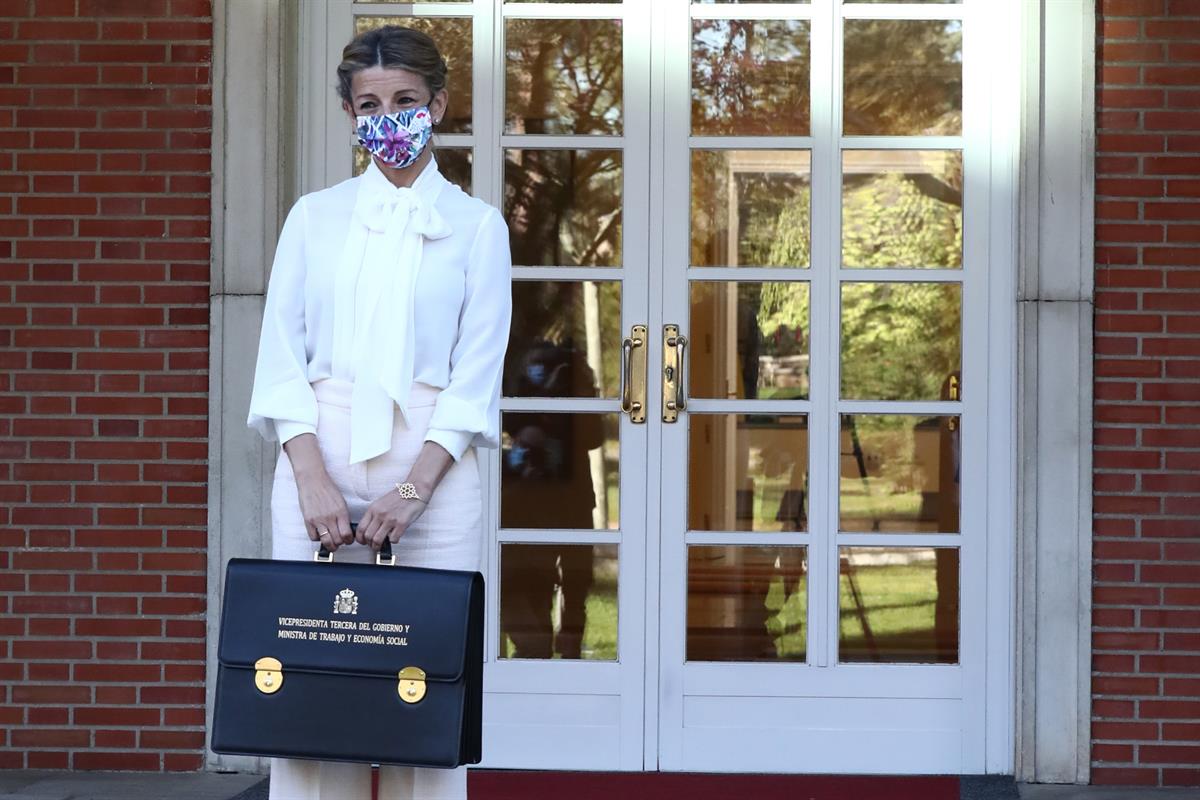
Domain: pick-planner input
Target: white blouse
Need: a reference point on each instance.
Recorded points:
(382, 287)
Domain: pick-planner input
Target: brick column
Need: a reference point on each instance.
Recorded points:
(105, 159)
(1146, 713)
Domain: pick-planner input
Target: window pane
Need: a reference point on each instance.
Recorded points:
(898, 605)
(749, 340)
(563, 76)
(558, 601)
(903, 77)
(747, 472)
(902, 209)
(559, 470)
(453, 162)
(453, 38)
(565, 340)
(901, 341)
(750, 77)
(899, 473)
(747, 603)
(563, 207)
(751, 208)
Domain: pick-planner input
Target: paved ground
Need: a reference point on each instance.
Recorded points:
(30, 785)
(1047, 792)
(33, 785)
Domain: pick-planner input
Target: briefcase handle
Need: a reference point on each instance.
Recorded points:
(383, 558)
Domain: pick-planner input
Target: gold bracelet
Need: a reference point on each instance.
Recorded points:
(408, 491)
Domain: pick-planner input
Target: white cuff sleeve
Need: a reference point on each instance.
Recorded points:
(286, 429)
(454, 442)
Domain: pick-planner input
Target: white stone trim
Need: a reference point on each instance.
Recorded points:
(1055, 308)
(254, 54)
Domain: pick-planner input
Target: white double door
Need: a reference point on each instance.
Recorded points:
(742, 499)
(740, 513)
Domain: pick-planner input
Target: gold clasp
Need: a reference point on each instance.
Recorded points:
(953, 387)
(268, 675)
(412, 684)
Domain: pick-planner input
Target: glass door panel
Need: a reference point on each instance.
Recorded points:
(815, 469)
(563, 76)
(569, 156)
(559, 470)
(565, 339)
(902, 77)
(564, 207)
(750, 77)
(899, 474)
(750, 339)
(558, 601)
(751, 208)
(902, 208)
(746, 603)
(747, 472)
(898, 605)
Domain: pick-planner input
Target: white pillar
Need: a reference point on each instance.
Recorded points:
(253, 123)
(1055, 308)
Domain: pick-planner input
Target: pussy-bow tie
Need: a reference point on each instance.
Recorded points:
(395, 210)
(383, 259)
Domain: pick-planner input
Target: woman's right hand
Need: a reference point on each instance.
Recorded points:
(326, 517)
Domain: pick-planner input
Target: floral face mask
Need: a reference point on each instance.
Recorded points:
(397, 139)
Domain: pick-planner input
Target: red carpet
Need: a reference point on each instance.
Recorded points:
(505, 785)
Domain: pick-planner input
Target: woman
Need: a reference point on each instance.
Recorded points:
(379, 364)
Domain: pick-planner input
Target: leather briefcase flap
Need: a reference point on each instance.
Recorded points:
(347, 619)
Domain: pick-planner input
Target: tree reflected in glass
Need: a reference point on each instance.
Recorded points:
(750, 77)
(750, 208)
(902, 77)
(900, 341)
(563, 207)
(755, 337)
(563, 76)
(902, 208)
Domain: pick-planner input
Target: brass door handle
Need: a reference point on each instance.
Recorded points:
(633, 374)
(674, 381)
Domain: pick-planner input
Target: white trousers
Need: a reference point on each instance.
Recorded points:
(448, 535)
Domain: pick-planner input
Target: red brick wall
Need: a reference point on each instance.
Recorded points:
(1146, 631)
(105, 137)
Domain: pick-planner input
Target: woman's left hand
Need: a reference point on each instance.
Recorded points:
(390, 515)
(387, 518)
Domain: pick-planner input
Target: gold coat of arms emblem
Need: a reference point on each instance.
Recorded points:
(345, 602)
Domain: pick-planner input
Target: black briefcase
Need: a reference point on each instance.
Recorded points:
(350, 662)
